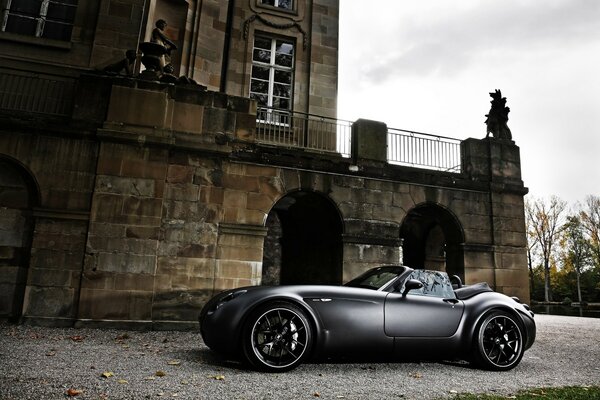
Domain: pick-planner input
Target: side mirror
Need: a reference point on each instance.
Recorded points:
(411, 284)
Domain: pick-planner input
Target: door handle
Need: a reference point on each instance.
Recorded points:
(451, 301)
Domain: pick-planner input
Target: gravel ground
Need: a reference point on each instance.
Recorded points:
(45, 363)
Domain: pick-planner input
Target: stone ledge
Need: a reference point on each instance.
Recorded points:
(242, 229)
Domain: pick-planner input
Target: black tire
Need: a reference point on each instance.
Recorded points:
(498, 341)
(277, 337)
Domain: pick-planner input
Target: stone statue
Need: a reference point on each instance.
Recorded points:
(498, 117)
(125, 65)
(159, 37)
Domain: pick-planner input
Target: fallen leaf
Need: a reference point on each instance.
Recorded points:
(416, 375)
(107, 374)
(122, 381)
(160, 373)
(123, 336)
(150, 378)
(76, 338)
(50, 353)
(317, 394)
(184, 382)
(73, 392)
(453, 392)
(174, 362)
(219, 377)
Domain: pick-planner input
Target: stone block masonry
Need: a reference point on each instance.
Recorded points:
(138, 219)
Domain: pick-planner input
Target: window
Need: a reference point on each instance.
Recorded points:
(285, 4)
(51, 19)
(272, 73)
(435, 284)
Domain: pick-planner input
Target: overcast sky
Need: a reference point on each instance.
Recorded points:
(428, 66)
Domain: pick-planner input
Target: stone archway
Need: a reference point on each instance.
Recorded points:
(304, 241)
(18, 194)
(433, 238)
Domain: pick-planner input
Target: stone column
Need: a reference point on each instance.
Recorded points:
(369, 142)
(496, 165)
(239, 255)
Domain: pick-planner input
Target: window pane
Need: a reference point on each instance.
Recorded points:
(262, 56)
(259, 86)
(58, 31)
(283, 76)
(26, 7)
(21, 25)
(436, 284)
(282, 90)
(60, 12)
(262, 73)
(279, 102)
(284, 60)
(284, 48)
(262, 43)
(262, 99)
(287, 4)
(269, 2)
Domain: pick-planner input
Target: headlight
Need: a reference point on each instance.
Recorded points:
(225, 299)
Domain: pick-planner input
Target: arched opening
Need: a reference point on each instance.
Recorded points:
(17, 196)
(432, 239)
(304, 241)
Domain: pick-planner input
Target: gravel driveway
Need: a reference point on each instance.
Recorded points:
(45, 363)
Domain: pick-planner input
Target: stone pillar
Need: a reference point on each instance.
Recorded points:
(496, 164)
(239, 255)
(369, 142)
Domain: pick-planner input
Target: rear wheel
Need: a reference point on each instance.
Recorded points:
(277, 337)
(499, 341)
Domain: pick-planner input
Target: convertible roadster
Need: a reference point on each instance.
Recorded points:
(390, 312)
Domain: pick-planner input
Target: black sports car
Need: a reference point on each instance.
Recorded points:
(390, 312)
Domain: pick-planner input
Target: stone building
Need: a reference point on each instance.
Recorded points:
(131, 201)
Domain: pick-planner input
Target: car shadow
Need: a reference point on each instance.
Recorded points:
(213, 359)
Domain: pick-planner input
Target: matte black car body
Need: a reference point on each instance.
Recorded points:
(365, 323)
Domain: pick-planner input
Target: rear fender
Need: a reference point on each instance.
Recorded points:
(478, 307)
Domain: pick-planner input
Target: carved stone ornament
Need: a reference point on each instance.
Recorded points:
(275, 25)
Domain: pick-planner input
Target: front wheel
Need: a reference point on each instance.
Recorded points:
(499, 342)
(277, 337)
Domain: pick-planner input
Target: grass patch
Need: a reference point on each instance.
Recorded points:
(564, 393)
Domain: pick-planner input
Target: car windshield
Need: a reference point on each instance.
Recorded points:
(376, 278)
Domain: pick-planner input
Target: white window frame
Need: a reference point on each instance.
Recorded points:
(272, 66)
(40, 17)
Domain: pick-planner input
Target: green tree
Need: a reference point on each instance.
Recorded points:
(577, 254)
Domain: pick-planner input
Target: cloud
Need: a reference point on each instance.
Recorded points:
(449, 42)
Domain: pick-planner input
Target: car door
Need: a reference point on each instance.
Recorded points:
(432, 311)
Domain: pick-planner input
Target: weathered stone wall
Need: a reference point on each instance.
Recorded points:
(165, 202)
(62, 174)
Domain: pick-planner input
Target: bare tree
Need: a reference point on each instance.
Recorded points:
(547, 223)
(590, 219)
(532, 243)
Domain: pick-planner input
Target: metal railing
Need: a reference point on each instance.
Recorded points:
(301, 130)
(36, 93)
(421, 150)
